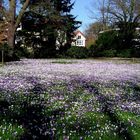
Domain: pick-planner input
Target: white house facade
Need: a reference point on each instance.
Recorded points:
(79, 39)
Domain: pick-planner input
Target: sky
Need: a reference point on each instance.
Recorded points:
(81, 10)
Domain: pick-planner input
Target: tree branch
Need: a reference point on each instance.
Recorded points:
(116, 15)
(137, 18)
(24, 7)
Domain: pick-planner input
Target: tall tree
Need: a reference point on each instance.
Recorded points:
(92, 32)
(52, 21)
(124, 11)
(99, 12)
(126, 16)
(122, 14)
(94, 29)
(3, 23)
(14, 20)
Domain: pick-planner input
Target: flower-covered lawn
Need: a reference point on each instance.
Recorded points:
(70, 99)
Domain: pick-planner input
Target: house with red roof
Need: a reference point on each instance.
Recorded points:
(79, 39)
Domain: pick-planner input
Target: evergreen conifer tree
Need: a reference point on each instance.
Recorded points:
(52, 21)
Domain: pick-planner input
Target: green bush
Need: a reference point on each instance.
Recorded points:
(43, 51)
(110, 44)
(77, 52)
(108, 53)
(21, 50)
(10, 54)
(108, 40)
(92, 50)
(124, 53)
(105, 46)
(136, 51)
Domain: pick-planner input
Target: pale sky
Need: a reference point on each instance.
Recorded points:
(81, 10)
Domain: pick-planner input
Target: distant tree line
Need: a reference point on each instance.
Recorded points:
(117, 29)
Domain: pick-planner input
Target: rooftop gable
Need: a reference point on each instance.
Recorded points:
(77, 32)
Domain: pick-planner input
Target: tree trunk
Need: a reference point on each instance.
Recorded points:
(11, 29)
(11, 36)
(13, 21)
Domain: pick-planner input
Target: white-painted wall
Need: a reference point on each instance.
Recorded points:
(80, 40)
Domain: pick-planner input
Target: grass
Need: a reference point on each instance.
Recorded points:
(96, 126)
(133, 122)
(9, 131)
(63, 62)
(72, 114)
(118, 60)
(0, 64)
(87, 126)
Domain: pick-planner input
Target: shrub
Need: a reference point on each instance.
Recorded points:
(77, 52)
(110, 44)
(45, 52)
(108, 53)
(136, 51)
(105, 46)
(21, 50)
(92, 50)
(124, 53)
(108, 40)
(10, 54)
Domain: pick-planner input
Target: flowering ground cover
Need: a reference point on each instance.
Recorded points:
(70, 99)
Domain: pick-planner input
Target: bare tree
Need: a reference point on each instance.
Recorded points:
(99, 12)
(123, 15)
(113, 11)
(93, 30)
(124, 11)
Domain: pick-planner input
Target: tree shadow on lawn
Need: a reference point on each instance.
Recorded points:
(36, 123)
(39, 123)
(30, 111)
(122, 128)
(33, 117)
(136, 92)
(107, 107)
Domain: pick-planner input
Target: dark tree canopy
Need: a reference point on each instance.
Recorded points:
(49, 22)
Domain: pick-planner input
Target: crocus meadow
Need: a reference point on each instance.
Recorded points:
(23, 75)
(84, 92)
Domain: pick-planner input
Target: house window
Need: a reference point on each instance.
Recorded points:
(79, 43)
(79, 37)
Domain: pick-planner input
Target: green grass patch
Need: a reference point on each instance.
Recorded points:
(63, 62)
(91, 125)
(70, 115)
(133, 122)
(9, 131)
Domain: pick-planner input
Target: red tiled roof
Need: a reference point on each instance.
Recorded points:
(78, 31)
